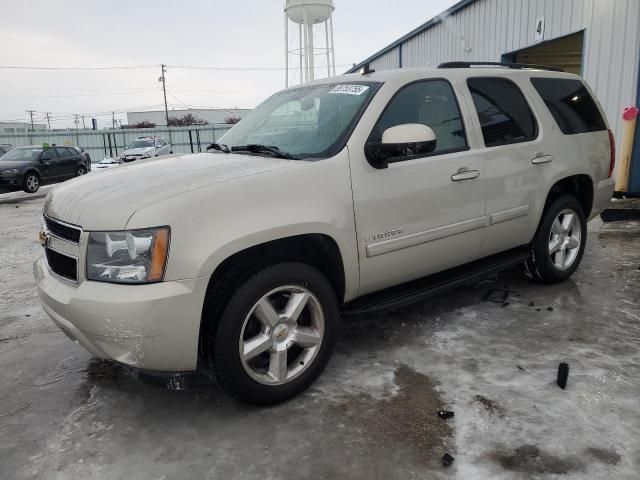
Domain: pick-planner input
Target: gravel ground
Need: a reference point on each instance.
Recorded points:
(488, 351)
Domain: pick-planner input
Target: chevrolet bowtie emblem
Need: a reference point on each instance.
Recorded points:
(43, 237)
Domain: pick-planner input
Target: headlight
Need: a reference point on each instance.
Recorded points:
(134, 256)
(9, 171)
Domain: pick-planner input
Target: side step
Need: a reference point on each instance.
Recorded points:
(418, 290)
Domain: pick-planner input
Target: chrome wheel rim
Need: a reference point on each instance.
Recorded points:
(81, 171)
(281, 336)
(32, 183)
(565, 239)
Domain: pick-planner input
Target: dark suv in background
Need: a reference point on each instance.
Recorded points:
(27, 168)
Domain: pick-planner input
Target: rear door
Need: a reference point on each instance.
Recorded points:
(425, 213)
(66, 162)
(49, 166)
(514, 159)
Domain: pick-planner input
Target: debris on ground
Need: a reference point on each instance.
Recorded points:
(549, 309)
(520, 368)
(447, 460)
(498, 295)
(489, 405)
(531, 304)
(563, 375)
(445, 414)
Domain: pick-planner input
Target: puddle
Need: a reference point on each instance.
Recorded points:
(408, 418)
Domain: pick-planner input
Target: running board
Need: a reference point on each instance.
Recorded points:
(418, 290)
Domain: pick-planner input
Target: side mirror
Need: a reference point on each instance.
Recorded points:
(401, 142)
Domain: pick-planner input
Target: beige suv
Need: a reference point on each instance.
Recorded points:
(340, 196)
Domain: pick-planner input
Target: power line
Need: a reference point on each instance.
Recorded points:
(80, 95)
(114, 67)
(240, 69)
(134, 67)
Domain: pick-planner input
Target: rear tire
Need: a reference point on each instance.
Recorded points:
(31, 182)
(559, 243)
(276, 334)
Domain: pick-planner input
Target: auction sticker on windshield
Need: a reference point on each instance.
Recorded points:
(350, 89)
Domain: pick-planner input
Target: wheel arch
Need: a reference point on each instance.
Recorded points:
(318, 250)
(580, 185)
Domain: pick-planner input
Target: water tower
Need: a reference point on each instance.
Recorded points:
(312, 40)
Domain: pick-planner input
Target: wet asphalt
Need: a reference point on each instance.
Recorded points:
(488, 351)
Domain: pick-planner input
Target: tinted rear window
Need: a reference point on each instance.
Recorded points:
(570, 104)
(504, 114)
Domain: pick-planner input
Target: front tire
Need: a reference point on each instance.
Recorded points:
(276, 334)
(81, 171)
(559, 243)
(31, 182)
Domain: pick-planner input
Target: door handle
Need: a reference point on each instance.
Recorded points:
(464, 174)
(541, 158)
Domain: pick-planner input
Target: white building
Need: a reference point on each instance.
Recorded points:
(598, 39)
(20, 127)
(213, 116)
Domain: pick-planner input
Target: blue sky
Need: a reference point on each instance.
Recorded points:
(242, 33)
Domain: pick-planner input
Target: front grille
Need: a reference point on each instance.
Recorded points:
(63, 230)
(62, 265)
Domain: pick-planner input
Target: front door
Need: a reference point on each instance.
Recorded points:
(425, 213)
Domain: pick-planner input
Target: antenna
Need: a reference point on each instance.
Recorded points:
(309, 14)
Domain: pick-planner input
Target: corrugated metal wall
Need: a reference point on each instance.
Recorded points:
(389, 60)
(487, 29)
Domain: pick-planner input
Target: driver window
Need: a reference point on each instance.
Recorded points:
(431, 103)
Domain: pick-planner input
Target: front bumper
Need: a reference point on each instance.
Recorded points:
(151, 327)
(12, 181)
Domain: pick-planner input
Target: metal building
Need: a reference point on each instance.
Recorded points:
(598, 39)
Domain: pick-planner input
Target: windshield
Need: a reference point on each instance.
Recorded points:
(24, 154)
(140, 144)
(306, 122)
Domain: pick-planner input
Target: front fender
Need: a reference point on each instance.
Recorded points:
(212, 223)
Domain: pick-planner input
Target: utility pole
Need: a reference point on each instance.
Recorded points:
(113, 119)
(75, 119)
(83, 125)
(31, 112)
(164, 90)
(48, 119)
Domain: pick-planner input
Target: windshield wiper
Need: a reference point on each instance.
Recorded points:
(257, 148)
(221, 147)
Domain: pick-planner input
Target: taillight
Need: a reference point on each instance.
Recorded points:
(612, 148)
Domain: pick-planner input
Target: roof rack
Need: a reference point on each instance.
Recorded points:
(516, 66)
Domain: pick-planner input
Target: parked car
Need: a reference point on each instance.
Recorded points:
(146, 147)
(4, 148)
(28, 168)
(84, 153)
(372, 192)
(108, 162)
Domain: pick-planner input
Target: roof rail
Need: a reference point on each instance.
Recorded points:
(516, 66)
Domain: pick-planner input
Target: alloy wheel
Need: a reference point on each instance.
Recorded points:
(281, 335)
(32, 183)
(565, 239)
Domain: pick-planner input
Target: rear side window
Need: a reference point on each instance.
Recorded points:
(570, 104)
(505, 116)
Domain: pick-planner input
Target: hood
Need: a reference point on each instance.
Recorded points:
(107, 200)
(137, 151)
(15, 164)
